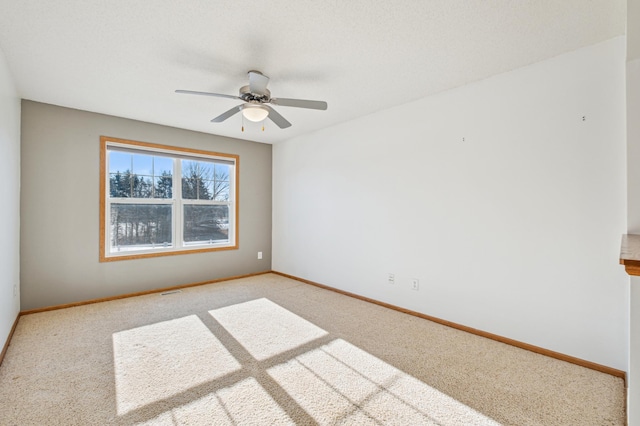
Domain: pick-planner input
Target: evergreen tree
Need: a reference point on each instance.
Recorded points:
(120, 184)
(164, 187)
(141, 186)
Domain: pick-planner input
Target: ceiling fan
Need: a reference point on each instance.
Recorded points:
(256, 99)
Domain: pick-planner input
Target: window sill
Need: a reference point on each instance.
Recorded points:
(630, 254)
(133, 255)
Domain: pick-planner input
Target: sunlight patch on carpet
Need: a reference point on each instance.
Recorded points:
(161, 360)
(340, 383)
(266, 329)
(243, 403)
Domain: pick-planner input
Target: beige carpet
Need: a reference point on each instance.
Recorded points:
(268, 350)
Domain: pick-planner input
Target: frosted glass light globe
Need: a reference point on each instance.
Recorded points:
(254, 113)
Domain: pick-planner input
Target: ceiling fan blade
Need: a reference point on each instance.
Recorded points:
(300, 103)
(258, 82)
(225, 115)
(217, 95)
(277, 118)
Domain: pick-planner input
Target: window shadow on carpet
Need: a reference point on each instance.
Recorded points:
(256, 362)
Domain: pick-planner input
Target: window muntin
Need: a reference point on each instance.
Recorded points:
(146, 211)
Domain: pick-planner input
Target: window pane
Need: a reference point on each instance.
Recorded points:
(205, 170)
(162, 165)
(140, 227)
(120, 185)
(196, 180)
(194, 188)
(142, 164)
(142, 186)
(151, 176)
(206, 223)
(189, 168)
(190, 180)
(220, 190)
(201, 169)
(208, 195)
(119, 162)
(222, 172)
(163, 186)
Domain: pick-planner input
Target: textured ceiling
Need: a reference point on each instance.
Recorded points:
(126, 57)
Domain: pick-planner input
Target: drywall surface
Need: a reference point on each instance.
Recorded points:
(633, 376)
(505, 199)
(633, 29)
(10, 205)
(633, 200)
(633, 209)
(60, 209)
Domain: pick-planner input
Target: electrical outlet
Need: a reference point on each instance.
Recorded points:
(15, 290)
(259, 255)
(415, 284)
(391, 279)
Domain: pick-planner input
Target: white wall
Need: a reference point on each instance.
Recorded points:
(633, 376)
(633, 191)
(10, 204)
(515, 230)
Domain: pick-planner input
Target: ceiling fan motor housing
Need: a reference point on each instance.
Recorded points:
(247, 96)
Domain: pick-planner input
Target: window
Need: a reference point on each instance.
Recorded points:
(158, 200)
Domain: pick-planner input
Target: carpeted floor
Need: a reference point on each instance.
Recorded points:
(268, 350)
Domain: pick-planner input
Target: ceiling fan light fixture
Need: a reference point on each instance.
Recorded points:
(256, 96)
(255, 113)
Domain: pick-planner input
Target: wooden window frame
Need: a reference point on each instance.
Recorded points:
(178, 247)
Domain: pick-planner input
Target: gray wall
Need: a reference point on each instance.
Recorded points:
(60, 209)
(633, 30)
(10, 204)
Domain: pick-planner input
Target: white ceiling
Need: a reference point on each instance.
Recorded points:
(126, 57)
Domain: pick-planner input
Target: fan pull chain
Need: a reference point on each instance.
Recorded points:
(243, 123)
